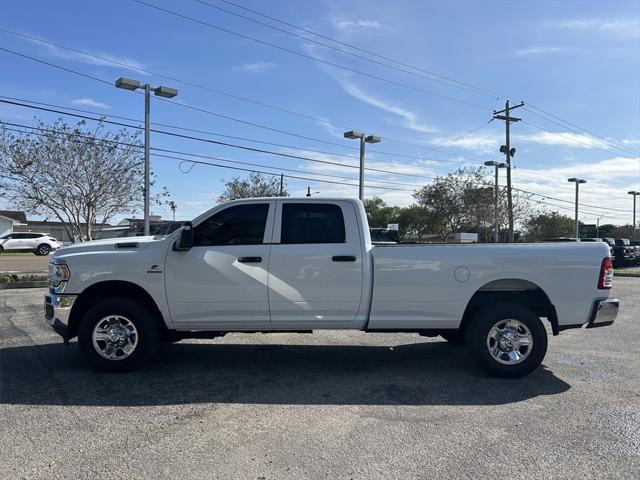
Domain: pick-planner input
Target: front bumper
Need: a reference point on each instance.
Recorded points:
(604, 312)
(57, 309)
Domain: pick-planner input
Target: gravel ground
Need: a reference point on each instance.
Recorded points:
(332, 405)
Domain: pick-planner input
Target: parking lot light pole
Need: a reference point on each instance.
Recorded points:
(161, 91)
(635, 194)
(497, 166)
(577, 181)
(352, 134)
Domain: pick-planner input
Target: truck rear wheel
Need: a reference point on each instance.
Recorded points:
(118, 334)
(507, 340)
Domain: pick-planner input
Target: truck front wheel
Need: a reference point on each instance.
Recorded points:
(118, 334)
(507, 340)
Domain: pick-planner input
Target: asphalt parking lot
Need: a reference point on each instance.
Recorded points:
(331, 405)
(24, 263)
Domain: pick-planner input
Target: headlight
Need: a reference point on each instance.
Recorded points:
(58, 272)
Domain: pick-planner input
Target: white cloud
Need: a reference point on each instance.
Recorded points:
(330, 127)
(621, 27)
(358, 24)
(101, 59)
(539, 50)
(89, 102)
(632, 142)
(256, 67)
(411, 119)
(469, 142)
(568, 139)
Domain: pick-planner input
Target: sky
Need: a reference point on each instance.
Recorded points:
(575, 65)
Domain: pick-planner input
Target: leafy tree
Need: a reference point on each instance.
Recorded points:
(454, 201)
(379, 214)
(624, 231)
(81, 176)
(604, 231)
(416, 220)
(548, 225)
(257, 185)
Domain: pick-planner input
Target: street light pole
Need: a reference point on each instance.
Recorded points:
(352, 134)
(577, 181)
(635, 194)
(497, 166)
(147, 143)
(161, 91)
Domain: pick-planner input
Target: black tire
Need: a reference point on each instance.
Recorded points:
(43, 250)
(136, 313)
(454, 337)
(477, 341)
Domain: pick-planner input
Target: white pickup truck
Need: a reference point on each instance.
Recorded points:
(297, 265)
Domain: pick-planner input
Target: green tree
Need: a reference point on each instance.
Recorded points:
(548, 225)
(415, 220)
(257, 185)
(624, 231)
(454, 201)
(379, 214)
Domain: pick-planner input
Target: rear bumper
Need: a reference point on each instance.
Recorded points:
(57, 309)
(604, 312)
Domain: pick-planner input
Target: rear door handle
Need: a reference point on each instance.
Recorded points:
(249, 259)
(343, 258)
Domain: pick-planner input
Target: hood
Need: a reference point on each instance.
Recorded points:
(109, 244)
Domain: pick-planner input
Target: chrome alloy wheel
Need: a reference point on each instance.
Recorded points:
(510, 342)
(115, 337)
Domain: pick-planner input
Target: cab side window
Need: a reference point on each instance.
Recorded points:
(312, 223)
(239, 225)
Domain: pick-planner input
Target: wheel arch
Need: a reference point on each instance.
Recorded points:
(515, 290)
(107, 289)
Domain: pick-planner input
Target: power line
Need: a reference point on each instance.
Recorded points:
(311, 57)
(237, 97)
(453, 82)
(190, 160)
(576, 129)
(589, 145)
(225, 144)
(346, 52)
(368, 52)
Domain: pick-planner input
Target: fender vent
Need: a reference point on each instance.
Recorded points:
(127, 245)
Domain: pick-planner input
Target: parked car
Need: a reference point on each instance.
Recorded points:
(636, 246)
(625, 252)
(38, 243)
(298, 265)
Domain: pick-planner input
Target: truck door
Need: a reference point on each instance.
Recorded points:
(316, 265)
(222, 280)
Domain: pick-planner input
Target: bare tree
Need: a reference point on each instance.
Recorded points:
(81, 176)
(257, 185)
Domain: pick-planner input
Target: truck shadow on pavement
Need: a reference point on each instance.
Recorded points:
(432, 373)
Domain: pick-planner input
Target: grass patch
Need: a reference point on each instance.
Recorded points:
(13, 277)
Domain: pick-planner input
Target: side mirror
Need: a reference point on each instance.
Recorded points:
(185, 241)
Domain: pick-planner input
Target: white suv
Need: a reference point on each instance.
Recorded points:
(38, 243)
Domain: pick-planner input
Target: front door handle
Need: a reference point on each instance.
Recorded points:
(249, 259)
(343, 258)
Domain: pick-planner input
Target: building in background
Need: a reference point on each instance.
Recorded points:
(9, 220)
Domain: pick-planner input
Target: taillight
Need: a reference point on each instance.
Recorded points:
(606, 274)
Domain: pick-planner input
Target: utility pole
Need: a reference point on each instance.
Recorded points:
(509, 152)
(635, 194)
(281, 183)
(497, 165)
(577, 181)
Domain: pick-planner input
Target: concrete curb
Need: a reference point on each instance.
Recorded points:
(14, 285)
